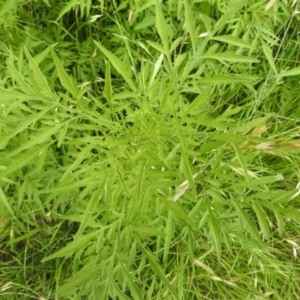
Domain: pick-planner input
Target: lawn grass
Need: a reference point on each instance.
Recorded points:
(149, 149)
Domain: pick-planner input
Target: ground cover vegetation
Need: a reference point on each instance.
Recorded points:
(149, 149)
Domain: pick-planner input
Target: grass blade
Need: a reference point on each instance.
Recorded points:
(121, 68)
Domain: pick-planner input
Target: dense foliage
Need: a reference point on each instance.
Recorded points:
(149, 149)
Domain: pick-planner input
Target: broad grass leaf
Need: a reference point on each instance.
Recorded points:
(90, 209)
(19, 79)
(226, 79)
(199, 101)
(186, 170)
(230, 57)
(25, 236)
(20, 162)
(245, 128)
(166, 95)
(78, 280)
(162, 26)
(74, 246)
(39, 77)
(169, 229)
(262, 220)
(190, 24)
(36, 140)
(231, 40)
(107, 91)
(291, 72)
(140, 180)
(157, 269)
(64, 78)
(179, 212)
(241, 158)
(252, 183)
(81, 156)
(4, 202)
(246, 222)
(8, 95)
(121, 68)
(228, 137)
(118, 292)
(134, 289)
(215, 232)
(28, 121)
(157, 46)
(62, 134)
(147, 231)
(269, 55)
(156, 68)
(280, 222)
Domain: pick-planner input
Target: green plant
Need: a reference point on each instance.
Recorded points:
(149, 150)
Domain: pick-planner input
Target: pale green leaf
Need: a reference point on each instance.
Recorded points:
(73, 246)
(81, 156)
(121, 67)
(19, 79)
(28, 121)
(90, 209)
(269, 55)
(179, 212)
(64, 78)
(39, 77)
(246, 222)
(135, 291)
(162, 26)
(4, 202)
(230, 57)
(229, 39)
(157, 269)
(291, 72)
(215, 232)
(40, 138)
(227, 79)
(262, 220)
(190, 24)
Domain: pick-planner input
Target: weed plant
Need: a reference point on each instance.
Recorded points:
(149, 149)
